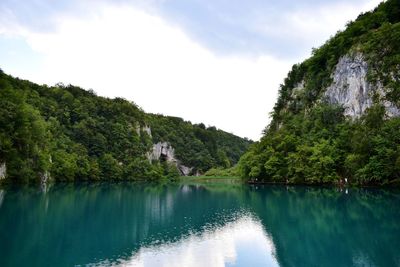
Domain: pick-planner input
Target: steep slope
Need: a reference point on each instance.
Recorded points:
(65, 133)
(337, 115)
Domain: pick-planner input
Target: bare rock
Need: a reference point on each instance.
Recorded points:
(3, 171)
(351, 89)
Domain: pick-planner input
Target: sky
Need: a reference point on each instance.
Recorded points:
(219, 62)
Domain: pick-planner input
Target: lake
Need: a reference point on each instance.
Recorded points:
(127, 224)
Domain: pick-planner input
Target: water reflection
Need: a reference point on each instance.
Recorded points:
(214, 225)
(326, 227)
(239, 243)
(2, 193)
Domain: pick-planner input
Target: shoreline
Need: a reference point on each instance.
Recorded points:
(207, 179)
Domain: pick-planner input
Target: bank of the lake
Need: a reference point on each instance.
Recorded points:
(211, 179)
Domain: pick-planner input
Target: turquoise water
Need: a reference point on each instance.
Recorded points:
(195, 225)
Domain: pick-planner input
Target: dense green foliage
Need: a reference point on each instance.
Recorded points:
(72, 134)
(223, 172)
(309, 140)
(196, 145)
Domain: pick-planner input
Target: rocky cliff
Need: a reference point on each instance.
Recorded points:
(163, 151)
(352, 90)
(337, 117)
(3, 170)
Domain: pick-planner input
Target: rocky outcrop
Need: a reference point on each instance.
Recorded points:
(145, 129)
(185, 171)
(297, 89)
(351, 89)
(137, 129)
(45, 177)
(163, 151)
(45, 182)
(3, 170)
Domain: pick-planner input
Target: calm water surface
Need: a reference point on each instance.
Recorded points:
(198, 225)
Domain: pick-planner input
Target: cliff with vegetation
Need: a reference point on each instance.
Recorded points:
(65, 133)
(337, 116)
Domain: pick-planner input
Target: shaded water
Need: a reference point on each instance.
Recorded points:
(194, 225)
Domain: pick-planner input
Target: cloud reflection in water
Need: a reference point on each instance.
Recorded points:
(242, 242)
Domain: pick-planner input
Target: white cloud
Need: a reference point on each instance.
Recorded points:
(323, 20)
(122, 51)
(309, 27)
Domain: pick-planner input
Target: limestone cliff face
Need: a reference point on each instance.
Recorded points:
(164, 151)
(3, 170)
(351, 89)
(45, 177)
(298, 88)
(145, 129)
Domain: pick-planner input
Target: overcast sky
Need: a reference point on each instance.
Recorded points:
(219, 62)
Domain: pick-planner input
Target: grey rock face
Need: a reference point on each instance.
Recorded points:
(147, 130)
(3, 170)
(391, 109)
(298, 88)
(351, 89)
(164, 151)
(137, 129)
(45, 177)
(185, 171)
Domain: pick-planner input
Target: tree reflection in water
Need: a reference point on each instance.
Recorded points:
(193, 225)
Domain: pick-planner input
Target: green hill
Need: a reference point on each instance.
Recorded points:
(65, 133)
(337, 115)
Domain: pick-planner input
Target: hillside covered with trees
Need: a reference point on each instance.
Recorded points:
(65, 133)
(337, 116)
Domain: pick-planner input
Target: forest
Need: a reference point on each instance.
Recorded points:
(65, 133)
(309, 140)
